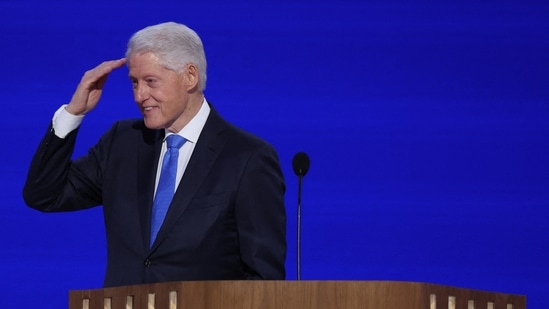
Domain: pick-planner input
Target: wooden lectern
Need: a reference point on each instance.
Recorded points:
(290, 295)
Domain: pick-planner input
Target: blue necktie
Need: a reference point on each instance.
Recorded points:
(166, 184)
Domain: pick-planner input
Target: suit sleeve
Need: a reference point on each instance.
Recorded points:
(57, 183)
(261, 217)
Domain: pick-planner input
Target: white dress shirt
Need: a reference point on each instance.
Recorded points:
(191, 132)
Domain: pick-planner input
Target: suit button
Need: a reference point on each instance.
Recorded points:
(148, 263)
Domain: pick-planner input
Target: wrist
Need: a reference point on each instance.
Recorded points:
(71, 110)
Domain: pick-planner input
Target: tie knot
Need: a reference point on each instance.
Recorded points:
(175, 141)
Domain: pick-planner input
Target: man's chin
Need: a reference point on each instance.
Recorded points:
(152, 125)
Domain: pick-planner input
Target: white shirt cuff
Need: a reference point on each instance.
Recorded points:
(64, 122)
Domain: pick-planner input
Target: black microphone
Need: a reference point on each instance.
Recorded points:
(300, 164)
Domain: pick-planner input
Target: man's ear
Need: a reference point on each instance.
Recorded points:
(191, 74)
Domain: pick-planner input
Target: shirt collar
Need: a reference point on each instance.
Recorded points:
(192, 130)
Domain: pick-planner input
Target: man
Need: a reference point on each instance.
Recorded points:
(226, 219)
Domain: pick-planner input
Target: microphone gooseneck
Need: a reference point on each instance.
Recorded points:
(300, 164)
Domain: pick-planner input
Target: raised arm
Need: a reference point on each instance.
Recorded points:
(53, 183)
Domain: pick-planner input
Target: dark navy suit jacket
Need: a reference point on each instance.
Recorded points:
(227, 219)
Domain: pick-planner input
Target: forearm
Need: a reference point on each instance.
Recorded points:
(55, 182)
(48, 171)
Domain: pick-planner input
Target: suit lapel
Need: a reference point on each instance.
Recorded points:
(204, 155)
(149, 153)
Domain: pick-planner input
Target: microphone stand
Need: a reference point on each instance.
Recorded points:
(300, 164)
(300, 180)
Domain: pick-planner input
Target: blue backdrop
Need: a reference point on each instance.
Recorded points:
(426, 124)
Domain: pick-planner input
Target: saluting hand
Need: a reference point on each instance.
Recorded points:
(90, 88)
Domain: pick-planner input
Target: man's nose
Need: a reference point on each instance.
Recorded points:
(141, 93)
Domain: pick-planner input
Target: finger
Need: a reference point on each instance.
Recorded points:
(105, 69)
(96, 76)
(109, 66)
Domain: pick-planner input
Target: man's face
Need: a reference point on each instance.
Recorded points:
(160, 94)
